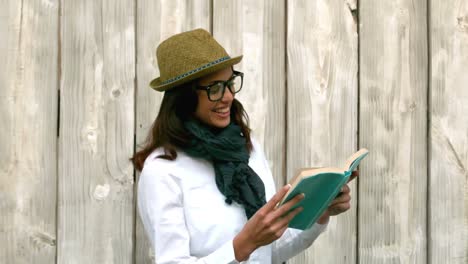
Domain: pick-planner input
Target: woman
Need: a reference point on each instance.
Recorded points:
(206, 193)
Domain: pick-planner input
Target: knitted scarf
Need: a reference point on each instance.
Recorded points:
(227, 151)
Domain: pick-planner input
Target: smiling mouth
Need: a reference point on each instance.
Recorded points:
(223, 110)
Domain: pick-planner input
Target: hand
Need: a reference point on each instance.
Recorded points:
(340, 204)
(266, 225)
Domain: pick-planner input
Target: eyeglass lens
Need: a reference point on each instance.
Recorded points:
(216, 91)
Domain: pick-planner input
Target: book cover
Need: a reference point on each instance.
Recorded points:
(320, 186)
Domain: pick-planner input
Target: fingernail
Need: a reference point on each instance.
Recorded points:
(288, 186)
(303, 195)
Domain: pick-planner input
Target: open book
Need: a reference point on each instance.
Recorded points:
(320, 186)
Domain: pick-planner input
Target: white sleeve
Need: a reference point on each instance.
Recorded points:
(161, 210)
(294, 241)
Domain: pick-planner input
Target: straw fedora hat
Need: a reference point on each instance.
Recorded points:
(187, 56)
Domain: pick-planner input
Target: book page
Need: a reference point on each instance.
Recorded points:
(354, 157)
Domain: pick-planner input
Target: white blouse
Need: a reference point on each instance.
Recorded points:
(187, 220)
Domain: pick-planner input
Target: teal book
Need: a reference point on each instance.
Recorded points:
(320, 186)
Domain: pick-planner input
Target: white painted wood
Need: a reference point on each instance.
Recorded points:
(393, 125)
(448, 189)
(255, 29)
(28, 134)
(322, 108)
(95, 208)
(313, 116)
(156, 21)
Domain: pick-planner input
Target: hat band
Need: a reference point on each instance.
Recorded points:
(195, 70)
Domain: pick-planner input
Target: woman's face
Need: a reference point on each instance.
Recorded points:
(216, 114)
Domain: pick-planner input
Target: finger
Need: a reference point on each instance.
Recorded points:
(339, 208)
(354, 174)
(283, 209)
(281, 231)
(278, 197)
(345, 189)
(345, 198)
(284, 221)
(340, 205)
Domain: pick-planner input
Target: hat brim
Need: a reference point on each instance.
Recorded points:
(157, 85)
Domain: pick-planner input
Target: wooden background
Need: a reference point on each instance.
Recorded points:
(323, 78)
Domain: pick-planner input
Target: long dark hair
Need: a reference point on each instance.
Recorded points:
(168, 131)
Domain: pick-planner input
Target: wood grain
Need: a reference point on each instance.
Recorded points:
(448, 218)
(71, 199)
(255, 29)
(95, 207)
(393, 124)
(156, 21)
(28, 134)
(322, 108)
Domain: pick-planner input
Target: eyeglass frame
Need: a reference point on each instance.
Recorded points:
(206, 88)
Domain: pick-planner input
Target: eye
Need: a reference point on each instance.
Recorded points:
(216, 88)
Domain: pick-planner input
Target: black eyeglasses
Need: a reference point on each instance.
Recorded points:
(215, 91)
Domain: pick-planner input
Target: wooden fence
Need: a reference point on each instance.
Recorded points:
(323, 78)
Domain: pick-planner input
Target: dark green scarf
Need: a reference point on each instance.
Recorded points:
(227, 150)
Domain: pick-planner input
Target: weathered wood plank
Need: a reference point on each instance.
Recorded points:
(28, 134)
(322, 108)
(28, 103)
(393, 123)
(448, 218)
(156, 21)
(256, 30)
(95, 210)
